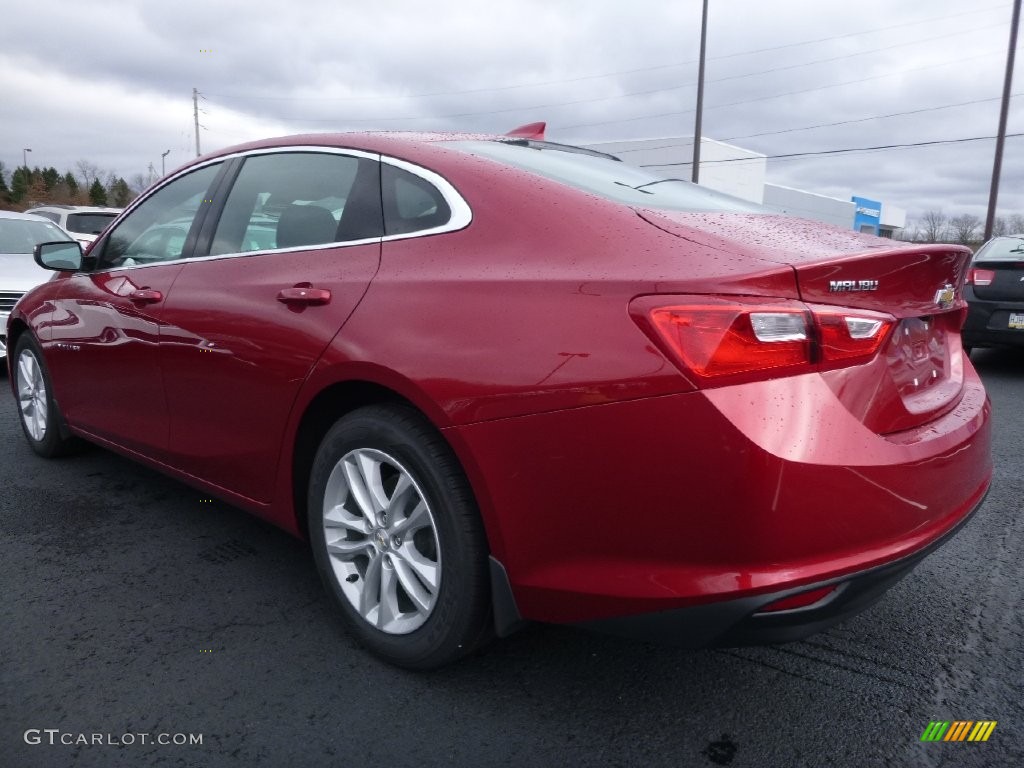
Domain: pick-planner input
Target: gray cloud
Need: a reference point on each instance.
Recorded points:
(111, 81)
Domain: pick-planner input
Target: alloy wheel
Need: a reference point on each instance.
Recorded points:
(382, 541)
(32, 398)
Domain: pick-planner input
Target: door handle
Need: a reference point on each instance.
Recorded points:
(300, 295)
(146, 296)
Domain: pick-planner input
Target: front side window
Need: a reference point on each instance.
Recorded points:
(156, 230)
(297, 199)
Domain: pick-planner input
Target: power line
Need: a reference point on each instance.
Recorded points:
(622, 95)
(823, 125)
(779, 95)
(973, 12)
(847, 150)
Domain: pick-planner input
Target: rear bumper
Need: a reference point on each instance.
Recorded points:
(738, 622)
(718, 502)
(987, 322)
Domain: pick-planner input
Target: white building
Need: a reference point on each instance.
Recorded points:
(741, 172)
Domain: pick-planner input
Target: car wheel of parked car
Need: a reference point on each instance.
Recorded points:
(40, 418)
(397, 538)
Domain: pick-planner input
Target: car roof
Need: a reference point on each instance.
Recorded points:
(383, 142)
(23, 216)
(75, 208)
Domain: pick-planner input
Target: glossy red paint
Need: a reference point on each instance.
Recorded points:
(610, 480)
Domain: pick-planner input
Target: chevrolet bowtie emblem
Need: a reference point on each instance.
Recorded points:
(945, 296)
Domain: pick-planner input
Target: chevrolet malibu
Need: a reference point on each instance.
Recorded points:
(496, 379)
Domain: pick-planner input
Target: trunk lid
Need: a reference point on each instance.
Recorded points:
(918, 374)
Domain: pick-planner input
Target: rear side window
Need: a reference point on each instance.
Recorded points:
(602, 175)
(411, 203)
(89, 223)
(47, 215)
(297, 199)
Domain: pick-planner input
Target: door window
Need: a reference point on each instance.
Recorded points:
(157, 229)
(300, 199)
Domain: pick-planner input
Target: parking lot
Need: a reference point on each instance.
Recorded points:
(133, 605)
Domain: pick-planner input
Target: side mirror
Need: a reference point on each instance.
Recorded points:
(61, 256)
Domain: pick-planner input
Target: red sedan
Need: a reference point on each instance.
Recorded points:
(496, 379)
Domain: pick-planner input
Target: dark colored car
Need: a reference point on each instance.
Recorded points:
(494, 379)
(995, 295)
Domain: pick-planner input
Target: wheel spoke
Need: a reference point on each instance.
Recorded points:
(398, 496)
(370, 469)
(357, 486)
(421, 598)
(426, 570)
(369, 598)
(418, 518)
(388, 610)
(339, 517)
(346, 549)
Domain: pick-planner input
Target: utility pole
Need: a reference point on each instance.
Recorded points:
(695, 177)
(24, 157)
(163, 163)
(195, 115)
(997, 164)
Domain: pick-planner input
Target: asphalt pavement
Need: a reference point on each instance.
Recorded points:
(133, 610)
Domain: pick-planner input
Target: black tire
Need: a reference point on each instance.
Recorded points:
(452, 542)
(54, 440)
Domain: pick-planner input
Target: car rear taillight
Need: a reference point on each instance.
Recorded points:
(724, 339)
(981, 276)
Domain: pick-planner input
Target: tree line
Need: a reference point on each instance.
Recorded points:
(965, 228)
(26, 187)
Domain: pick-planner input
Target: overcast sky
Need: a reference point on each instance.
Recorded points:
(111, 81)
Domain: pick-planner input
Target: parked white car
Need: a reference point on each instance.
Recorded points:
(82, 222)
(19, 234)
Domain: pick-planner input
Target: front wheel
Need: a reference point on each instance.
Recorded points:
(397, 538)
(40, 419)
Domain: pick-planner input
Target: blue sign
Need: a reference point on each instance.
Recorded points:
(867, 215)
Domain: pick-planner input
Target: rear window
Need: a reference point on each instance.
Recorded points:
(22, 235)
(1001, 249)
(602, 175)
(89, 223)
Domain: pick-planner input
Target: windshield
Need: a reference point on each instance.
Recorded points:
(607, 177)
(22, 235)
(1002, 249)
(89, 223)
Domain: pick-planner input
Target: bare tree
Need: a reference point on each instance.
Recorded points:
(933, 226)
(88, 171)
(1016, 224)
(1000, 227)
(964, 228)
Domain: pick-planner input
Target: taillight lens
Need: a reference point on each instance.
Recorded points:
(726, 339)
(981, 276)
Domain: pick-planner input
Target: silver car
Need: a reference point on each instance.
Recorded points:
(19, 234)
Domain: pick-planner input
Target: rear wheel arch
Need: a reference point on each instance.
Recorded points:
(323, 411)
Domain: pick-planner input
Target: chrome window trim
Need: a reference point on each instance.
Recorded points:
(461, 213)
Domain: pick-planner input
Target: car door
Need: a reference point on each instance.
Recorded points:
(107, 322)
(289, 257)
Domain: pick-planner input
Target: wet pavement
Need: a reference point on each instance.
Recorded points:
(133, 609)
